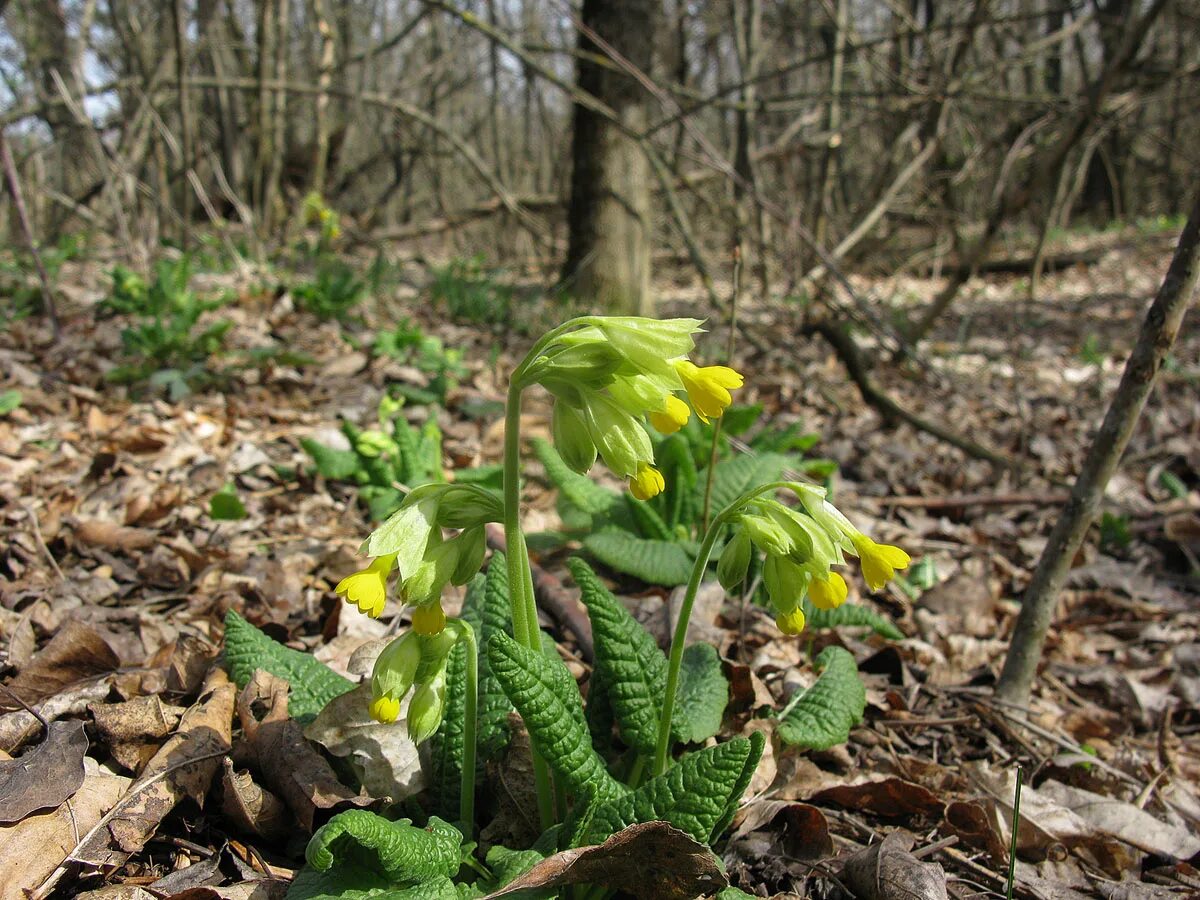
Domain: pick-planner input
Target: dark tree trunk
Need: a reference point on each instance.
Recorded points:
(608, 255)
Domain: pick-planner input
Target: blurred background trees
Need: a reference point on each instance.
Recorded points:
(593, 144)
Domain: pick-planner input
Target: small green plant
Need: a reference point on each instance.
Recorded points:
(333, 292)
(407, 343)
(648, 713)
(165, 344)
(470, 293)
(383, 462)
(1092, 353)
(1115, 535)
(9, 401)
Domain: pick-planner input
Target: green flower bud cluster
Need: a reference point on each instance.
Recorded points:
(413, 662)
(801, 547)
(613, 373)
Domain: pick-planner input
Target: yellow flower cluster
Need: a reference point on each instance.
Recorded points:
(610, 375)
(801, 547)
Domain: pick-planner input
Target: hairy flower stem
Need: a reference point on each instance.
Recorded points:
(675, 660)
(466, 808)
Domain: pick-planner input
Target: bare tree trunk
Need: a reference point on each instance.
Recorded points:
(748, 30)
(279, 121)
(1154, 342)
(265, 36)
(179, 16)
(608, 255)
(324, 80)
(833, 123)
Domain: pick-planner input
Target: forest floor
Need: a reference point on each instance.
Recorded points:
(117, 568)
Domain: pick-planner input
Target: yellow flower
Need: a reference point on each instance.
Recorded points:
(429, 620)
(828, 593)
(879, 561)
(385, 710)
(791, 622)
(671, 417)
(708, 387)
(647, 483)
(367, 588)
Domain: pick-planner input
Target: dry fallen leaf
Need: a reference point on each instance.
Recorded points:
(888, 871)
(647, 860)
(77, 652)
(387, 761)
(289, 763)
(133, 729)
(54, 834)
(45, 775)
(183, 767)
(111, 536)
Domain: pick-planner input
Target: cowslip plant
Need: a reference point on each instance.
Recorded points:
(609, 377)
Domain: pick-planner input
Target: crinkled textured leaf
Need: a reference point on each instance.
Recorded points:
(485, 609)
(334, 464)
(850, 615)
(494, 705)
(354, 883)
(825, 713)
(313, 684)
(703, 694)
(578, 489)
(698, 795)
(654, 562)
(634, 670)
(397, 850)
(600, 717)
(509, 864)
(738, 474)
(548, 700)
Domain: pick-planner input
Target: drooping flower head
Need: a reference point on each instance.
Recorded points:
(801, 547)
(367, 588)
(613, 374)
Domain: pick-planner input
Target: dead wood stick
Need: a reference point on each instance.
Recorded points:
(851, 356)
(553, 596)
(1154, 342)
(14, 189)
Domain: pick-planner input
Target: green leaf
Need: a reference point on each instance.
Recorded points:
(851, 615)
(226, 505)
(334, 464)
(353, 883)
(578, 489)
(677, 502)
(735, 476)
(545, 695)
(703, 694)
(633, 669)
(9, 400)
(737, 419)
(494, 618)
(699, 795)
(313, 684)
(397, 850)
(508, 865)
(655, 562)
(823, 715)
(649, 523)
(485, 609)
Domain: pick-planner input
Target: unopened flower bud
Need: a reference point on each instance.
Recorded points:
(425, 709)
(786, 582)
(396, 668)
(472, 547)
(735, 561)
(571, 438)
